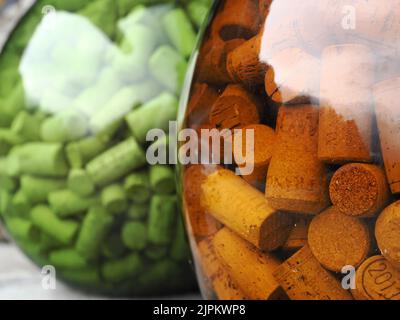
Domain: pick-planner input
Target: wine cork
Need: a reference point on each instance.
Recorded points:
(387, 233)
(243, 209)
(244, 65)
(236, 19)
(377, 279)
(257, 281)
(293, 77)
(388, 117)
(359, 190)
(303, 278)
(296, 180)
(345, 128)
(202, 98)
(337, 240)
(222, 283)
(263, 9)
(202, 224)
(235, 108)
(212, 67)
(298, 236)
(264, 142)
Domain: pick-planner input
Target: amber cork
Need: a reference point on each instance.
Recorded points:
(345, 126)
(238, 255)
(337, 240)
(293, 77)
(387, 233)
(201, 223)
(212, 67)
(359, 190)
(303, 278)
(235, 108)
(244, 209)
(298, 237)
(264, 142)
(377, 279)
(228, 24)
(388, 117)
(222, 283)
(201, 100)
(244, 65)
(296, 179)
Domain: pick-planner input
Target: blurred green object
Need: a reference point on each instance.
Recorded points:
(81, 84)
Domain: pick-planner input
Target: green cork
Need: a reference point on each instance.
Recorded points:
(68, 126)
(45, 219)
(21, 205)
(67, 259)
(95, 228)
(180, 31)
(113, 247)
(162, 219)
(22, 229)
(116, 162)
(162, 179)
(134, 235)
(138, 211)
(115, 271)
(141, 120)
(36, 189)
(38, 158)
(180, 250)
(80, 182)
(168, 67)
(114, 199)
(27, 126)
(66, 203)
(137, 187)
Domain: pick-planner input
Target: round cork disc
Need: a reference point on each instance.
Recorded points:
(354, 190)
(337, 240)
(377, 279)
(264, 141)
(387, 233)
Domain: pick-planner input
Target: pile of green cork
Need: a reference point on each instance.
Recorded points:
(76, 191)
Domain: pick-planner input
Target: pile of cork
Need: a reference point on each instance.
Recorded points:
(318, 218)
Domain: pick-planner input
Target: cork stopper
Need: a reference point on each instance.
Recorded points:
(244, 65)
(201, 223)
(235, 108)
(222, 283)
(377, 279)
(293, 77)
(298, 237)
(212, 65)
(388, 117)
(359, 190)
(244, 209)
(264, 142)
(296, 180)
(337, 240)
(303, 278)
(228, 24)
(387, 233)
(345, 127)
(257, 281)
(202, 98)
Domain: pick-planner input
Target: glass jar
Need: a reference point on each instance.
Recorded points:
(290, 156)
(82, 83)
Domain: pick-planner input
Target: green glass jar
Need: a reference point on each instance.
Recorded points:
(82, 83)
